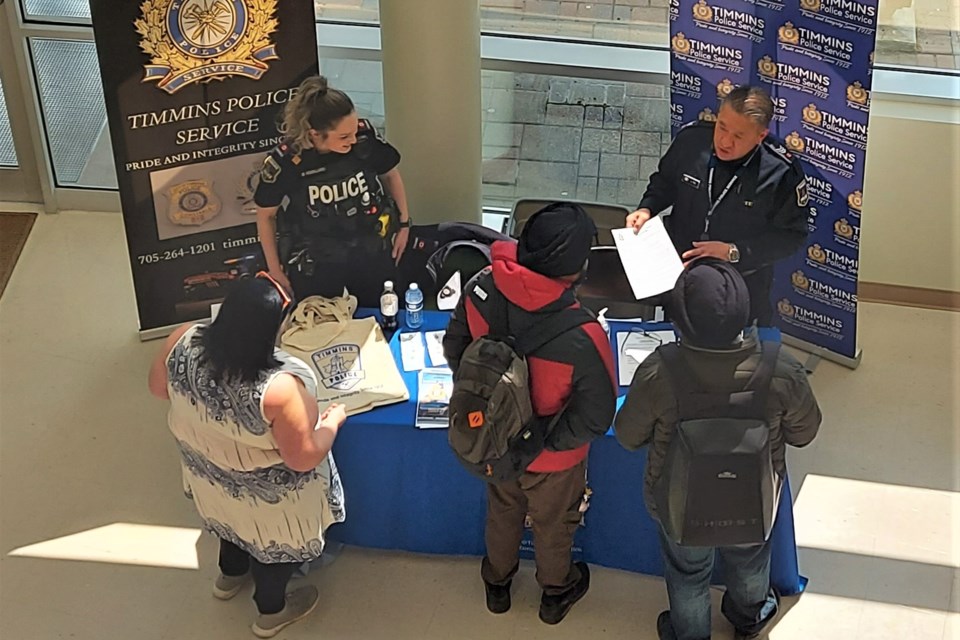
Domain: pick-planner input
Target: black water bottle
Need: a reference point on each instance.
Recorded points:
(389, 307)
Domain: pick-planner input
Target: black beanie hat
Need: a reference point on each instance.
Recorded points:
(710, 304)
(556, 240)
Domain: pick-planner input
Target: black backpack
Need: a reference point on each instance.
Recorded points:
(492, 428)
(718, 486)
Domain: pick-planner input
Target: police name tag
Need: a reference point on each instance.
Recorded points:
(691, 180)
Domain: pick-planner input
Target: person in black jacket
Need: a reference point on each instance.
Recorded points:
(737, 194)
(572, 375)
(709, 306)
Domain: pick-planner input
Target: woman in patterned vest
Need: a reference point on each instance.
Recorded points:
(255, 448)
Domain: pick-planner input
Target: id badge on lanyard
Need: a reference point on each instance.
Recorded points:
(723, 194)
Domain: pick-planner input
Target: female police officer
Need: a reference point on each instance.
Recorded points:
(346, 222)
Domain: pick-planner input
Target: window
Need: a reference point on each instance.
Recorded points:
(8, 155)
(638, 21)
(552, 136)
(74, 114)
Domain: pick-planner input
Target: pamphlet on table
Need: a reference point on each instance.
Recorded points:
(433, 398)
(633, 347)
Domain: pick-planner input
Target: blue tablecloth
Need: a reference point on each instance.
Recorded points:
(405, 490)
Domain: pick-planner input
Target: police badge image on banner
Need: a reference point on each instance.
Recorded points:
(194, 91)
(814, 57)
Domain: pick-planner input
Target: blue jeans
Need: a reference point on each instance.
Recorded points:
(748, 604)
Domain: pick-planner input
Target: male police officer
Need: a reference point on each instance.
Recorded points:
(736, 194)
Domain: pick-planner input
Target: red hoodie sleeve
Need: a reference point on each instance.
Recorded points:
(593, 398)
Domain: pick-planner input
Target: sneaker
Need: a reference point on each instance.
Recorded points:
(553, 609)
(742, 635)
(300, 602)
(665, 626)
(226, 587)
(498, 597)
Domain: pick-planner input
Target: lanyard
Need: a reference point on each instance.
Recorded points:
(723, 194)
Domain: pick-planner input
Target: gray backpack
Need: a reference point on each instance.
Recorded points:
(492, 427)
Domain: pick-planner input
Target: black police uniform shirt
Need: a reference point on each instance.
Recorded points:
(764, 213)
(331, 195)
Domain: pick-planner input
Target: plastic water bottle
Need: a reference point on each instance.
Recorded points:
(414, 302)
(389, 306)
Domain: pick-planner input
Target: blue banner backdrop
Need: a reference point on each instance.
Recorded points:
(815, 59)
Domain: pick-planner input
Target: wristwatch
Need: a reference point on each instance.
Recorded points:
(405, 224)
(734, 254)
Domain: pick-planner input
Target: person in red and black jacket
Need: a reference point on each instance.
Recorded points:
(572, 375)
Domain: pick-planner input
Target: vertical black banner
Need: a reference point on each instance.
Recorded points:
(194, 92)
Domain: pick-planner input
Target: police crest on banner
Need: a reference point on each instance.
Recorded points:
(199, 40)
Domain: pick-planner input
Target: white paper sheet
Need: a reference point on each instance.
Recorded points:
(649, 258)
(633, 347)
(435, 348)
(411, 351)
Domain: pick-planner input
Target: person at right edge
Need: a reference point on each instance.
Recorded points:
(709, 306)
(538, 276)
(737, 194)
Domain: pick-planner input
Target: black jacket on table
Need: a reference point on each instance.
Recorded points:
(765, 213)
(576, 366)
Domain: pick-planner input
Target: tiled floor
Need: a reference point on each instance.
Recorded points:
(84, 450)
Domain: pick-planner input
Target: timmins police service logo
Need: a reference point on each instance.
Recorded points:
(812, 115)
(788, 34)
(767, 67)
(191, 41)
(680, 44)
(855, 202)
(724, 87)
(707, 115)
(340, 366)
(810, 5)
(795, 143)
(702, 11)
(785, 308)
(800, 280)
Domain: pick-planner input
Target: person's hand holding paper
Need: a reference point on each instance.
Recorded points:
(649, 258)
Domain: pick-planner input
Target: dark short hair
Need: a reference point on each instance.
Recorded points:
(239, 344)
(753, 102)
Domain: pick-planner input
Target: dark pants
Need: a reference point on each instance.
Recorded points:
(270, 580)
(361, 272)
(552, 501)
(749, 602)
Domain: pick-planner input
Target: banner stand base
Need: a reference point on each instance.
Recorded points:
(819, 352)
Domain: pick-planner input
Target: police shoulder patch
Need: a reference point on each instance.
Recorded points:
(270, 170)
(365, 129)
(778, 150)
(803, 193)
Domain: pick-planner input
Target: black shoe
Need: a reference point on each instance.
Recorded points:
(664, 626)
(553, 609)
(498, 597)
(753, 635)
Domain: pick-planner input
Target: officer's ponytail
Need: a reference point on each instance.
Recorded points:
(316, 106)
